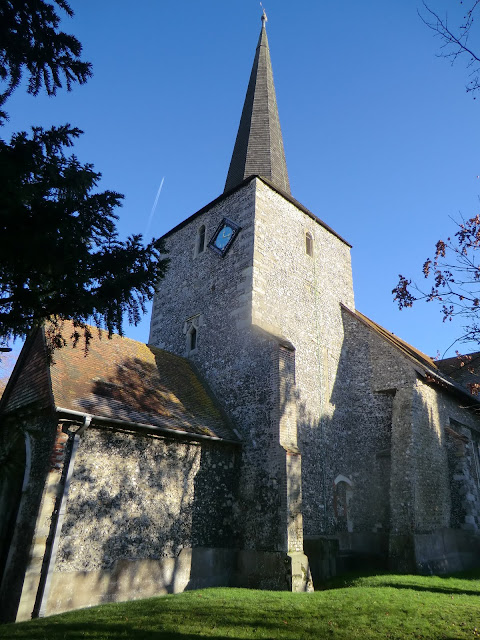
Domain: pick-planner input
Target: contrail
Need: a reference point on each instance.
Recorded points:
(150, 217)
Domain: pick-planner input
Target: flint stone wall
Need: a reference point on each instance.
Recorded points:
(343, 426)
(144, 516)
(268, 281)
(369, 428)
(240, 364)
(138, 497)
(433, 485)
(464, 475)
(437, 415)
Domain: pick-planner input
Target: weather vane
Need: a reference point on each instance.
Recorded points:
(264, 16)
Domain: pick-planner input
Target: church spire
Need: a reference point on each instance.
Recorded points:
(259, 145)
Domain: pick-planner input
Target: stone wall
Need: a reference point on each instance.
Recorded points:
(140, 509)
(204, 285)
(447, 483)
(343, 425)
(352, 443)
(432, 461)
(443, 419)
(268, 281)
(360, 419)
(240, 364)
(462, 446)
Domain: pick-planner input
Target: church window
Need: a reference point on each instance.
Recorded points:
(200, 241)
(224, 236)
(342, 497)
(192, 339)
(190, 330)
(309, 244)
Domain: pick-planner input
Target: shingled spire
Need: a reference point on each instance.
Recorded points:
(259, 145)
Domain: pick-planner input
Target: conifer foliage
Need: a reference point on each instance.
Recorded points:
(30, 41)
(61, 256)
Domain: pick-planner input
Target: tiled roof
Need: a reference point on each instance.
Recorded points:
(29, 386)
(258, 147)
(464, 369)
(126, 380)
(457, 364)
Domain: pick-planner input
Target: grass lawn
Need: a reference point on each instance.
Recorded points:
(383, 606)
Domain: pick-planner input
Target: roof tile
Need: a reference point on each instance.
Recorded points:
(127, 380)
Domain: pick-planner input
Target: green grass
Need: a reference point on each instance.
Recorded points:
(368, 607)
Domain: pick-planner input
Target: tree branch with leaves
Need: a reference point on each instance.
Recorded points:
(454, 273)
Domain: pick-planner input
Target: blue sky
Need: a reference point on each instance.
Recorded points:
(380, 136)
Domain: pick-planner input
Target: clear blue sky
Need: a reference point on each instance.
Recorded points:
(382, 141)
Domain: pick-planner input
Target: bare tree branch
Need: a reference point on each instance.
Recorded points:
(455, 41)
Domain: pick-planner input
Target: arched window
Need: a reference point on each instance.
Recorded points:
(342, 498)
(190, 330)
(309, 244)
(200, 244)
(192, 339)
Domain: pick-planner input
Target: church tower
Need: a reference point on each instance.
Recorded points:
(253, 298)
(274, 437)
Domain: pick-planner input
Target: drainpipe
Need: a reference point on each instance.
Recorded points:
(47, 572)
(57, 524)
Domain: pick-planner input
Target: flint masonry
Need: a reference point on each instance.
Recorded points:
(268, 436)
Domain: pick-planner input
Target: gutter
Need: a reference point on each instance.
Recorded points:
(145, 428)
(453, 387)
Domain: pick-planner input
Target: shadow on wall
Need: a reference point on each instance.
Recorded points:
(432, 493)
(30, 445)
(463, 456)
(12, 474)
(390, 447)
(139, 508)
(166, 390)
(129, 531)
(346, 465)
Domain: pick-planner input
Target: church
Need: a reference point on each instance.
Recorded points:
(268, 436)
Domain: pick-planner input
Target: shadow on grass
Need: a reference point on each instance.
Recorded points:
(417, 587)
(135, 631)
(219, 622)
(239, 614)
(409, 582)
(72, 631)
